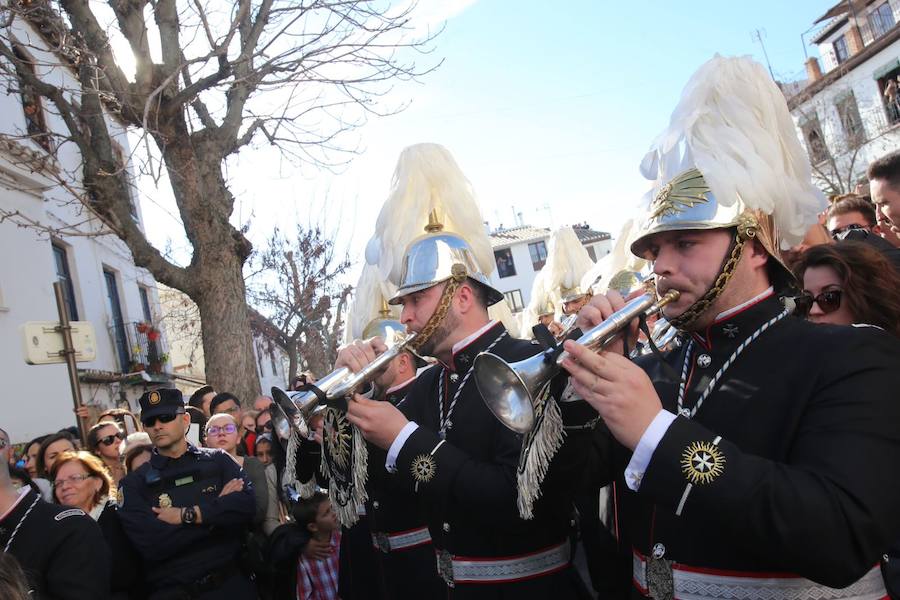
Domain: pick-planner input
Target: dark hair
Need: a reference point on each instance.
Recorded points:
(48, 440)
(870, 284)
(93, 436)
(887, 168)
(13, 583)
(849, 203)
(22, 474)
(479, 291)
(132, 452)
(124, 417)
(196, 399)
(221, 398)
(307, 508)
(93, 465)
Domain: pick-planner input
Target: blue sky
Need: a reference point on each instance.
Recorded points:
(542, 104)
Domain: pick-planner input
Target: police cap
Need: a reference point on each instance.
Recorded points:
(164, 401)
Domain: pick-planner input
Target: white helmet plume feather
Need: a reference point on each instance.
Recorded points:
(426, 178)
(371, 290)
(733, 124)
(567, 259)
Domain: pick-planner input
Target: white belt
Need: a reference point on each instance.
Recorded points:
(692, 583)
(388, 542)
(460, 569)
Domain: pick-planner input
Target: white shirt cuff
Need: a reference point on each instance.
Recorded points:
(390, 462)
(640, 460)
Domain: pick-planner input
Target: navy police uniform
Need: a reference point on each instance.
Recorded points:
(467, 485)
(188, 560)
(777, 484)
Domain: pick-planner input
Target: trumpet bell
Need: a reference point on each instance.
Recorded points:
(508, 389)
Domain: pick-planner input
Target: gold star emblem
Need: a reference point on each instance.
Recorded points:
(702, 462)
(165, 501)
(424, 468)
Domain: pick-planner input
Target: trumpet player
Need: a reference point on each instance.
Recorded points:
(443, 443)
(750, 460)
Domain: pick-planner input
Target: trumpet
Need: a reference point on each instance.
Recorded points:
(509, 389)
(294, 410)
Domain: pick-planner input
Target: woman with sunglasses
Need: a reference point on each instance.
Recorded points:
(847, 283)
(103, 441)
(80, 480)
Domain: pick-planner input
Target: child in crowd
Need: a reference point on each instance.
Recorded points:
(318, 579)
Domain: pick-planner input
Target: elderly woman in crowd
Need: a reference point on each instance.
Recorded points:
(847, 283)
(80, 480)
(103, 441)
(51, 447)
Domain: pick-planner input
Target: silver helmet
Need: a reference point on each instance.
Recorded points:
(439, 256)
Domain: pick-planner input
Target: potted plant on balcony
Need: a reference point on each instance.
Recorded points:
(156, 366)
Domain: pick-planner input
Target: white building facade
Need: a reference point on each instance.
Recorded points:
(520, 253)
(848, 112)
(100, 281)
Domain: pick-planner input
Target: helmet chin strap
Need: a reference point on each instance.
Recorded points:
(746, 230)
(440, 313)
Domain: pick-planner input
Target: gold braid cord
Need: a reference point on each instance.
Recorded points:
(440, 313)
(746, 231)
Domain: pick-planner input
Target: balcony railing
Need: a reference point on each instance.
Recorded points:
(138, 347)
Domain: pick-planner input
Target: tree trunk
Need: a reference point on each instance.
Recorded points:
(227, 345)
(291, 349)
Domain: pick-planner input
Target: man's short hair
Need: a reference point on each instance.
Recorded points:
(887, 168)
(221, 398)
(197, 397)
(849, 203)
(479, 291)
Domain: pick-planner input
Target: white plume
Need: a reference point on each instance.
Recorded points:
(426, 177)
(501, 312)
(370, 290)
(733, 124)
(567, 260)
(541, 291)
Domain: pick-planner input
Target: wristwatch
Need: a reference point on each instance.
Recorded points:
(188, 515)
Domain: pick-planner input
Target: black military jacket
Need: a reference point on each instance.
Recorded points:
(469, 493)
(791, 459)
(182, 554)
(60, 549)
(390, 507)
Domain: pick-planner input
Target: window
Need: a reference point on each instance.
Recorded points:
(840, 49)
(514, 299)
(61, 259)
(538, 251)
(890, 95)
(881, 19)
(815, 143)
(117, 328)
(848, 111)
(145, 304)
(592, 253)
(35, 122)
(505, 265)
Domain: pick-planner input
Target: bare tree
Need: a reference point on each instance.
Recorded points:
(297, 290)
(211, 78)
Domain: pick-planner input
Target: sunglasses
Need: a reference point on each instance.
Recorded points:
(111, 439)
(829, 301)
(267, 426)
(842, 233)
(151, 421)
(214, 430)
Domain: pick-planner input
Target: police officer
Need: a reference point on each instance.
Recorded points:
(186, 510)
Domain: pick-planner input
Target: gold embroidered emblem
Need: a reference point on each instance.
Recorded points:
(685, 191)
(153, 398)
(337, 437)
(424, 468)
(165, 501)
(120, 497)
(702, 462)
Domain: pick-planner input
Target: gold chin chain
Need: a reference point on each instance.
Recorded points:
(745, 232)
(440, 313)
